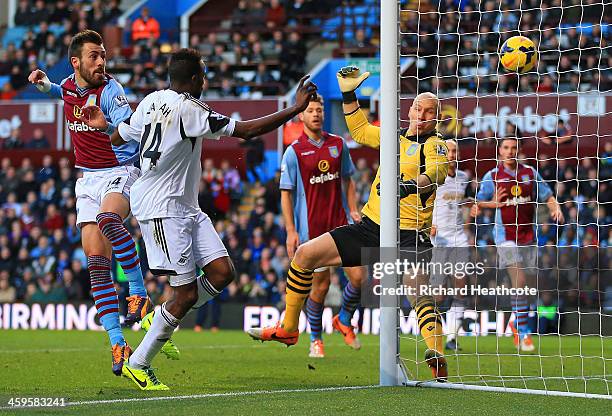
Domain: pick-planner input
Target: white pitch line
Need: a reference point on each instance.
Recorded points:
(205, 396)
(187, 348)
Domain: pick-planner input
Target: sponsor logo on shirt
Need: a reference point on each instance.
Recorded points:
(518, 200)
(324, 177)
(77, 111)
(516, 190)
(79, 126)
(323, 165)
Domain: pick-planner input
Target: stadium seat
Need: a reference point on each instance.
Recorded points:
(14, 35)
(3, 80)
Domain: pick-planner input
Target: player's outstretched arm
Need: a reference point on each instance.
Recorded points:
(256, 127)
(349, 79)
(40, 80)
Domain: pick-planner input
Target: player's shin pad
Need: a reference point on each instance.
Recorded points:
(430, 323)
(299, 282)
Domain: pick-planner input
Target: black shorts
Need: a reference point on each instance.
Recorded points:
(351, 240)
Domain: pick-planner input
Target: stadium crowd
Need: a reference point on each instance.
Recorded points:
(261, 53)
(458, 43)
(262, 49)
(41, 259)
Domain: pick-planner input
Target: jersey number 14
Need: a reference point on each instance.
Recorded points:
(151, 142)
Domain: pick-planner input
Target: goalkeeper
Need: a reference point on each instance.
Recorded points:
(423, 166)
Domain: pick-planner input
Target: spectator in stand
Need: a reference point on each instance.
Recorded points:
(296, 10)
(38, 141)
(8, 293)
(23, 16)
(360, 41)
(293, 58)
(240, 14)
(546, 85)
(14, 140)
(563, 134)
(275, 15)
(207, 46)
(7, 93)
(112, 12)
(40, 13)
(257, 14)
(145, 27)
(263, 76)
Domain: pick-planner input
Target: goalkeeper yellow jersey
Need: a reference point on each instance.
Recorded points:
(419, 155)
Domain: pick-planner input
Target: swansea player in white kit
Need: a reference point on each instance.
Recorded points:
(170, 126)
(453, 199)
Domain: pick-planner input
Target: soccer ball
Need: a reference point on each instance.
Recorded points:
(518, 54)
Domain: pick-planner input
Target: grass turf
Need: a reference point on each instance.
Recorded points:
(76, 366)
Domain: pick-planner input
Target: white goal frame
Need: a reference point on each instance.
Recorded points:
(392, 371)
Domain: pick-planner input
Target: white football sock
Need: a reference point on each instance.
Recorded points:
(161, 330)
(454, 318)
(206, 291)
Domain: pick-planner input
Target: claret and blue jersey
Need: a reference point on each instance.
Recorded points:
(314, 172)
(525, 187)
(92, 148)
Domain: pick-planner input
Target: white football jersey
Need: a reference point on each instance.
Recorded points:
(170, 128)
(448, 213)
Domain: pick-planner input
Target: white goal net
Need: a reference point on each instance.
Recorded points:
(559, 117)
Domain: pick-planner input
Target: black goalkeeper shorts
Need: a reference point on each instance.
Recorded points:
(351, 239)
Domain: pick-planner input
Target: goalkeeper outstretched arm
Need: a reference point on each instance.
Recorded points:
(349, 79)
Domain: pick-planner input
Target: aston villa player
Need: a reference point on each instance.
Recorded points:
(514, 191)
(103, 191)
(318, 195)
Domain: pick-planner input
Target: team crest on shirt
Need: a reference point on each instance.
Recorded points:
(525, 178)
(412, 149)
(91, 100)
(77, 111)
(333, 151)
(441, 150)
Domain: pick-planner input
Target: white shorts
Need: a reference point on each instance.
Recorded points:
(510, 254)
(176, 245)
(444, 261)
(91, 189)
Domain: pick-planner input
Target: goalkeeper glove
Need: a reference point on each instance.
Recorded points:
(406, 188)
(349, 79)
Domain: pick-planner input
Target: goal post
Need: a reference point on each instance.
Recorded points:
(390, 374)
(482, 104)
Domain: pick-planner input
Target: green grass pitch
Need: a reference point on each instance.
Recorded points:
(224, 369)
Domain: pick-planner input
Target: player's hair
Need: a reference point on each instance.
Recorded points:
(317, 99)
(184, 64)
(87, 36)
(503, 139)
(452, 141)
